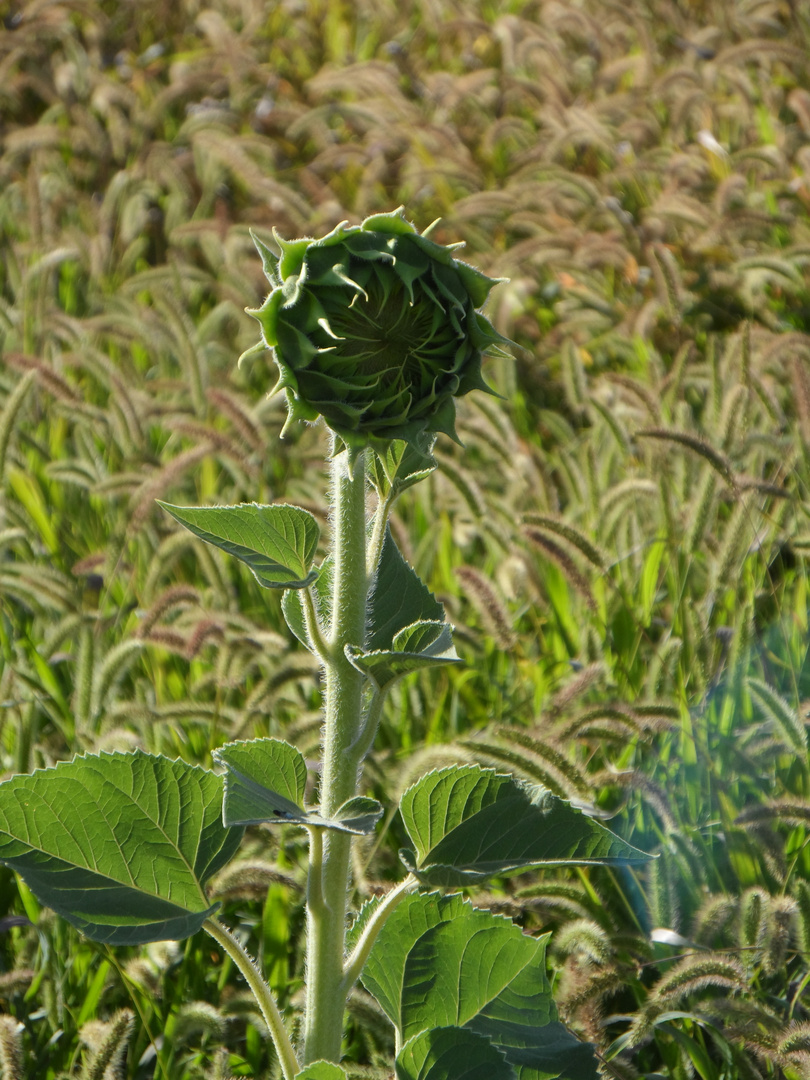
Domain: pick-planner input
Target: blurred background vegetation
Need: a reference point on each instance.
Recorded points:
(621, 542)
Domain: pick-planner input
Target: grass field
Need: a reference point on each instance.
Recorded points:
(621, 541)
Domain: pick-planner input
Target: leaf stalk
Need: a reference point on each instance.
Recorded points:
(262, 992)
(354, 964)
(313, 627)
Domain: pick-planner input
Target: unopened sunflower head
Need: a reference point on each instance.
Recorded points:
(376, 328)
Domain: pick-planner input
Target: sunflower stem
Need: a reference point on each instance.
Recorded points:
(343, 686)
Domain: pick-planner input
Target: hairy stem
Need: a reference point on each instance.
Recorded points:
(343, 702)
(262, 993)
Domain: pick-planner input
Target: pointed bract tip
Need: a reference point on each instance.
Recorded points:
(254, 350)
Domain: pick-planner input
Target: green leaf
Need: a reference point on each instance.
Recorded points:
(359, 815)
(278, 543)
(266, 780)
(401, 464)
(648, 583)
(468, 824)
(399, 599)
(120, 845)
(355, 931)
(92, 996)
(29, 494)
(551, 1052)
(321, 1070)
(439, 961)
(424, 644)
(424, 638)
(475, 965)
(384, 971)
(451, 1053)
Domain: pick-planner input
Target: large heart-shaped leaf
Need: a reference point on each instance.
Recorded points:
(476, 963)
(266, 780)
(468, 824)
(451, 1053)
(439, 962)
(278, 543)
(425, 644)
(384, 971)
(551, 1052)
(120, 845)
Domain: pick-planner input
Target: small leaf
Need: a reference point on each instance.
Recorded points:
(424, 639)
(468, 824)
(451, 1053)
(424, 644)
(265, 782)
(359, 815)
(120, 845)
(321, 1070)
(355, 931)
(398, 600)
(278, 543)
(401, 464)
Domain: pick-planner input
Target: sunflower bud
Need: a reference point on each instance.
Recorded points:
(376, 328)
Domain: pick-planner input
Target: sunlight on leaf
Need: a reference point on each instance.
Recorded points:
(120, 845)
(278, 543)
(469, 823)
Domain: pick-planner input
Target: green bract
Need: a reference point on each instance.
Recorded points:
(375, 328)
